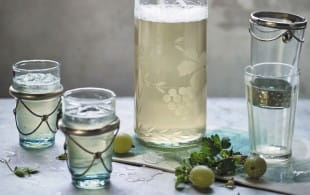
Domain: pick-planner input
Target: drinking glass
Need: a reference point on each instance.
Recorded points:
(276, 37)
(90, 125)
(272, 92)
(37, 90)
(272, 82)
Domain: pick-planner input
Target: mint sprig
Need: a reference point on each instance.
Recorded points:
(216, 153)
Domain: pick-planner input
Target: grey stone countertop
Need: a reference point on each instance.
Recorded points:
(54, 178)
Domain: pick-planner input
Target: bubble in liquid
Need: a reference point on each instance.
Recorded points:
(36, 82)
(36, 79)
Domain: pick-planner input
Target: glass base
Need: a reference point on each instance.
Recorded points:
(37, 143)
(190, 144)
(91, 183)
(274, 159)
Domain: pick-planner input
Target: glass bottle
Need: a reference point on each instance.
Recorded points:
(170, 72)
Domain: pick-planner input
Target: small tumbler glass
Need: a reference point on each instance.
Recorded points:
(37, 90)
(272, 93)
(90, 125)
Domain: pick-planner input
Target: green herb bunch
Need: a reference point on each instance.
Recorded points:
(216, 153)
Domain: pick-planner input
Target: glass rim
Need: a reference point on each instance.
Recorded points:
(112, 126)
(17, 67)
(293, 73)
(297, 22)
(109, 92)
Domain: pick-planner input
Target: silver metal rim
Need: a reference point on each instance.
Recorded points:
(79, 132)
(298, 22)
(29, 96)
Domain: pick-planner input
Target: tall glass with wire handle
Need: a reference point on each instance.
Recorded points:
(272, 82)
(90, 125)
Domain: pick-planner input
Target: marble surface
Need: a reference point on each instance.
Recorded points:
(55, 179)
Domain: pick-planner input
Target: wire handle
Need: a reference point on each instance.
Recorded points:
(286, 36)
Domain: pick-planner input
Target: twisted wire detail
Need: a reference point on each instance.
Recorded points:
(44, 118)
(96, 155)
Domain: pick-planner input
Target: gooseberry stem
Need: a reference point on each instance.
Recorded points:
(7, 164)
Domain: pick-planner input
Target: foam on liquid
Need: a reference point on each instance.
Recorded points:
(171, 14)
(36, 83)
(87, 117)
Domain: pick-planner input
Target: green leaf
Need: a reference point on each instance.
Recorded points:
(226, 167)
(197, 158)
(178, 171)
(20, 172)
(185, 164)
(181, 177)
(179, 185)
(62, 156)
(216, 139)
(31, 170)
(225, 142)
(225, 153)
(211, 146)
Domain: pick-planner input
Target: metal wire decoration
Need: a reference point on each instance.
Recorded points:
(113, 126)
(286, 36)
(296, 23)
(20, 97)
